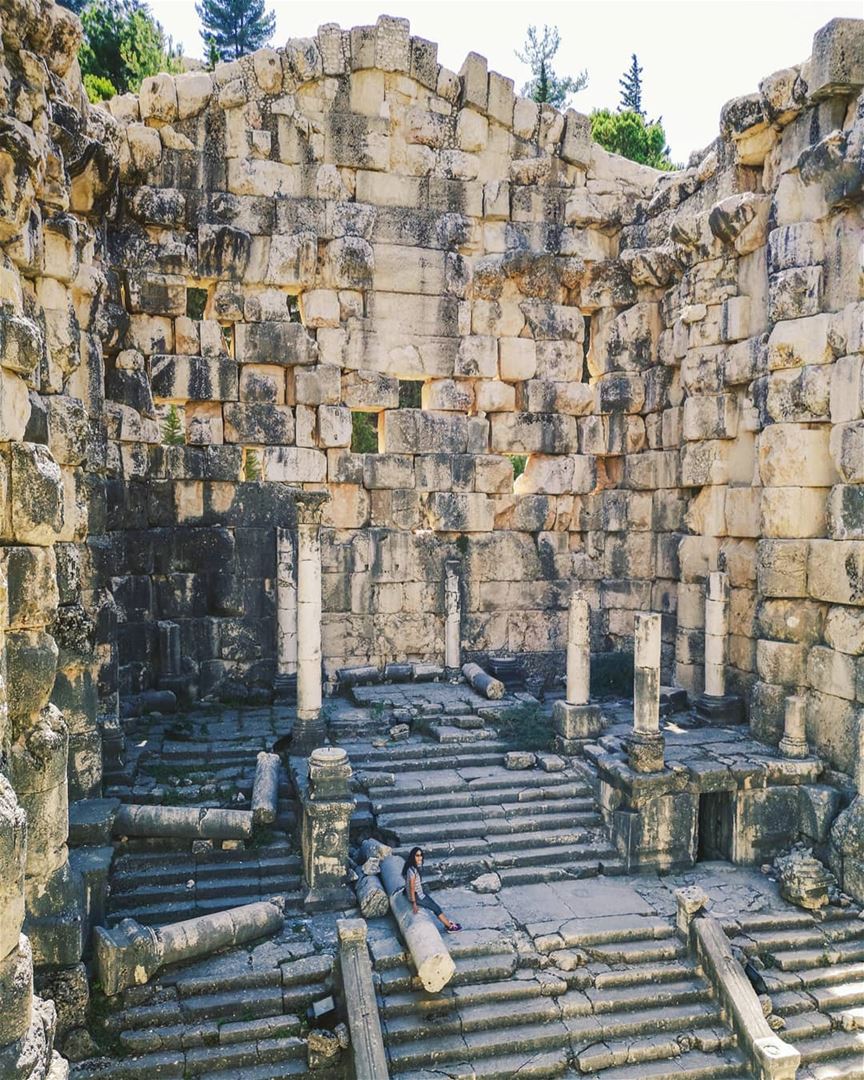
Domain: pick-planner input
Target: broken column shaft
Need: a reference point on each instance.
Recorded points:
(309, 728)
(432, 959)
(452, 618)
(129, 954)
(715, 705)
(646, 744)
(576, 721)
(286, 604)
(794, 741)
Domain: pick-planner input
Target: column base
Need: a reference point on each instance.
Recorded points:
(576, 722)
(329, 898)
(308, 734)
(720, 711)
(794, 748)
(645, 752)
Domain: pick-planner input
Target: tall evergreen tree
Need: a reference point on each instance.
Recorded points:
(235, 27)
(74, 5)
(631, 88)
(545, 86)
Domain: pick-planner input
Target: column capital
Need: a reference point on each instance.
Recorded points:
(309, 506)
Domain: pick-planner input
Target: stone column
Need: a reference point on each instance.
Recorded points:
(129, 954)
(286, 604)
(432, 959)
(309, 728)
(576, 721)
(716, 706)
(794, 741)
(367, 1042)
(646, 744)
(452, 619)
(326, 808)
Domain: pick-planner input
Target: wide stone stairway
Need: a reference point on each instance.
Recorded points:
(613, 997)
(815, 976)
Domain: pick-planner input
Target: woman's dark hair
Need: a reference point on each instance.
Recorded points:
(411, 860)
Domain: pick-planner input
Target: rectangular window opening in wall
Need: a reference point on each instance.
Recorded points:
(196, 303)
(518, 461)
(228, 337)
(410, 394)
(364, 432)
(252, 467)
(294, 309)
(586, 348)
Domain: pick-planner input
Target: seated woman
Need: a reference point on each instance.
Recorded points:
(415, 892)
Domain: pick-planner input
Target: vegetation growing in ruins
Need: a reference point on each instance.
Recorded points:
(519, 462)
(631, 88)
(251, 466)
(364, 433)
(629, 134)
(123, 44)
(525, 727)
(232, 28)
(538, 53)
(172, 428)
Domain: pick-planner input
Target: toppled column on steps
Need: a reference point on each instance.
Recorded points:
(431, 957)
(323, 786)
(452, 618)
(645, 745)
(265, 789)
(129, 954)
(371, 896)
(483, 683)
(574, 720)
(192, 822)
(309, 727)
(794, 741)
(715, 706)
(361, 1005)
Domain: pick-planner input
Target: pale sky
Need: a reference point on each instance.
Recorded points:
(696, 54)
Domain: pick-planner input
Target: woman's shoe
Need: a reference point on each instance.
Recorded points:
(454, 928)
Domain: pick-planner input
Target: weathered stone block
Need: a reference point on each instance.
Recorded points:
(31, 661)
(194, 378)
(37, 495)
(781, 567)
(285, 343)
(32, 586)
(836, 571)
(290, 464)
(794, 294)
(794, 455)
(847, 451)
(837, 61)
(459, 512)
(534, 433)
(259, 424)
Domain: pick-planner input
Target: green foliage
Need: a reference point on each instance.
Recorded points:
(123, 44)
(364, 433)
(544, 85)
(631, 88)
(234, 27)
(73, 5)
(196, 302)
(410, 394)
(462, 544)
(630, 135)
(172, 428)
(525, 727)
(98, 88)
(251, 465)
(519, 463)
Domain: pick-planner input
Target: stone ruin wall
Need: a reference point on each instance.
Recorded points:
(426, 226)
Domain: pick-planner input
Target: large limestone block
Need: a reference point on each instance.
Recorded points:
(334, 426)
(492, 396)
(837, 60)
(846, 512)
(517, 359)
(369, 391)
(195, 378)
(710, 417)
(13, 830)
(800, 342)
(260, 383)
(260, 424)
(832, 729)
(793, 512)
(319, 385)
(16, 992)
(794, 455)
(412, 431)
(450, 511)
(448, 395)
(528, 433)
(193, 92)
(794, 294)
(157, 98)
(21, 344)
(388, 471)
(836, 571)
(844, 630)
(477, 357)
(787, 396)
(32, 586)
(781, 567)
(831, 672)
(37, 495)
(847, 389)
(781, 663)
(847, 451)
(285, 343)
(294, 464)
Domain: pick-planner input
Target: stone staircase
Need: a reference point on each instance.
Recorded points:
(815, 976)
(631, 1005)
(472, 815)
(220, 1025)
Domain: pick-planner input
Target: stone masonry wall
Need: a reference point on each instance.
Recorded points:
(679, 356)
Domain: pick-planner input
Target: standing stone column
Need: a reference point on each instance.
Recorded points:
(309, 728)
(794, 741)
(716, 706)
(286, 604)
(452, 619)
(576, 721)
(324, 790)
(646, 744)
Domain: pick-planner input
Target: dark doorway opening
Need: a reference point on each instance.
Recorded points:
(715, 825)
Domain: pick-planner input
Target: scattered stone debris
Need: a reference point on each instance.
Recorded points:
(803, 879)
(519, 759)
(486, 883)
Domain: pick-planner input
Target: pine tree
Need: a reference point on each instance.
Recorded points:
(631, 88)
(172, 428)
(235, 27)
(545, 86)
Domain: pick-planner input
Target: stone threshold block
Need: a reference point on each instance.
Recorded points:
(720, 710)
(129, 954)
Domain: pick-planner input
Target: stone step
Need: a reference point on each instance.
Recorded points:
(609, 865)
(437, 1051)
(550, 831)
(801, 960)
(512, 799)
(614, 929)
(662, 1046)
(533, 1066)
(763, 942)
(849, 1069)
(832, 1048)
(177, 910)
(492, 967)
(791, 1002)
(632, 999)
(228, 884)
(845, 994)
(175, 865)
(807, 1025)
(692, 1065)
(481, 1016)
(266, 1058)
(411, 1002)
(182, 1036)
(774, 920)
(489, 809)
(464, 789)
(448, 735)
(638, 952)
(675, 971)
